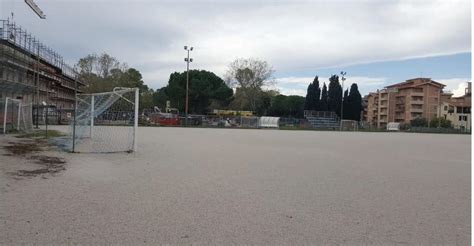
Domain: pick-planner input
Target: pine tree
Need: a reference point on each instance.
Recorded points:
(324, 98)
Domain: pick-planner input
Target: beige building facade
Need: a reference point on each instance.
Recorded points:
(457, 109)
(403, 102)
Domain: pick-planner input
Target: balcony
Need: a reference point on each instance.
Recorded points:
(416, 110)
(399, 109)
(417, 94)
(400, 102)
(417, 102)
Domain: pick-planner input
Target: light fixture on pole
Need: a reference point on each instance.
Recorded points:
(187, 60)
(342, 98)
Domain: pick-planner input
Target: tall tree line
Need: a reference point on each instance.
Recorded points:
(329, 98)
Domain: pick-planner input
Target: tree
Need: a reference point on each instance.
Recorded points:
(354, 103)
(440, 122)
(324, 98)
(347, 110)
(308, 103)
(312, 101)
(103, 73)
(287, 106)
(334, 95)
(250, 75)
(419, 122)
(316, 93)
(205, 88)
(160, 98)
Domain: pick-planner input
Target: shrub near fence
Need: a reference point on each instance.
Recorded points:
(435, 130)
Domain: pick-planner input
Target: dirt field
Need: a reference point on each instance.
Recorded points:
(224, 186)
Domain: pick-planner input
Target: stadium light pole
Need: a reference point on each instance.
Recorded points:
(187, 60)
(343, 78)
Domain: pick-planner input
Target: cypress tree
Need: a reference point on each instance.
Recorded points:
(334, 95)
(324, 98)
(347, 108)
(316, 94)
(308, 103)
(355, 102)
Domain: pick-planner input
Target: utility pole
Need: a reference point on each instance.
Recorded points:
(187, 60)
(342, 98)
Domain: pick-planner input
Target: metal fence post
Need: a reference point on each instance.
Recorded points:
(5, 116)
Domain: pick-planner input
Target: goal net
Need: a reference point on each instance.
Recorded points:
(16, 116)
(349, 125)
(249, 122)
(106, 122)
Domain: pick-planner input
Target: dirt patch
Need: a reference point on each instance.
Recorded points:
(22, 148)
(29, 148)
(49, 164)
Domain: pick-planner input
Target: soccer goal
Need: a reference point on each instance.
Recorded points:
(349, 125)
(16, 116)
(106, 122)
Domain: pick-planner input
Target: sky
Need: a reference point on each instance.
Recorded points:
(375, 42)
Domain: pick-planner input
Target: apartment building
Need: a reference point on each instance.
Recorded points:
(405, 101)
(457, 109)
(34, 73)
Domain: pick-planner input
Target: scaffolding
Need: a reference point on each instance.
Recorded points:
(34, 73)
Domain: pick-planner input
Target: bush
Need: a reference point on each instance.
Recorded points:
(441, 122)
(404, 126)
(419, 122)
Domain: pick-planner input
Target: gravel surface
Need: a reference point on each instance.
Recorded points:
(229, 186)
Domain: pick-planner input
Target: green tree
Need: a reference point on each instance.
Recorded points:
(160, 98)
(317, 94)
(204, 88)
(287, 106)
(313, 94)
(308, 103)
(354, 103)
(334, 95)
(103, 73)
(324, 98)
(419, 122)
(250, 75)
(347, 110)
(440, 122)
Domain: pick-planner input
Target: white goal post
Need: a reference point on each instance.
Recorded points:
(16, 115)
(106, 122)
(349, 125)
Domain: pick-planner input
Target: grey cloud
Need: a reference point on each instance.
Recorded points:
(291, 35)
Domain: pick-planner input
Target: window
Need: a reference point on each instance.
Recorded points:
(460, 118)
(458, 110)
(464, 118)
(445, 108)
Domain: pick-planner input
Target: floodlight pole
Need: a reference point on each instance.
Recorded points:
(342, 98)
(187, 60)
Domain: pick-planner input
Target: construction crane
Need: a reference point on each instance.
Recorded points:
(36, 9)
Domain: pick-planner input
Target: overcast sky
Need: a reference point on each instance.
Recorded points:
(376, 42)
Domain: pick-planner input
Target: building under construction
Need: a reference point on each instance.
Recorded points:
(34, 73)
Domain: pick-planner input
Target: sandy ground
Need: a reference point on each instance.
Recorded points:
(226, 186)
